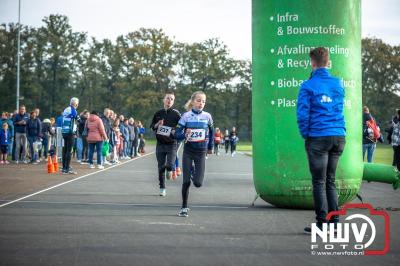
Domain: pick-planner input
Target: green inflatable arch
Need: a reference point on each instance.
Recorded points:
(283, 33)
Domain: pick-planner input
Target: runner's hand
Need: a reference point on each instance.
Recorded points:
(159, 123)
(187, 132)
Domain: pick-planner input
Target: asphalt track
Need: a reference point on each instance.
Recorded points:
(115, 217)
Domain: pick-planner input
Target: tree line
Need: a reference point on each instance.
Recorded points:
(131, 74)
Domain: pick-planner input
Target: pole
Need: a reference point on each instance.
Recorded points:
(18, 51)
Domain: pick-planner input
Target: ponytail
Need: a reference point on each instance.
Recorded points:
(188, 105)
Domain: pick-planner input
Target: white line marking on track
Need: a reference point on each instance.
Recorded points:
(132, 204)
(72, 180)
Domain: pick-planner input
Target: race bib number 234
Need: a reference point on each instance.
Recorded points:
(197, 135)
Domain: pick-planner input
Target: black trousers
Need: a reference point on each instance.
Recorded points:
(197, 159)
(323, 156)
(166, 155)
(396, 157)
(233, 147)
(66, 151)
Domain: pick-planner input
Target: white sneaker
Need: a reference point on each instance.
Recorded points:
(100, 167)
(107, 163)
(184, 212)
(79, 161)
(91, 166)
(163, 192)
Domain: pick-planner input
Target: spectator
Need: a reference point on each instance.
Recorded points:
(123, 127)
(321, 124)
(115, 141)
(369, 143)
(5, 138)
(20, 120)
(6, 118)
(81, 140)
(396, 141)
(136, 140)
(47, 132)
(132, 136)
(68, 130)
(37, 111)
(95, 138)
(34, 132)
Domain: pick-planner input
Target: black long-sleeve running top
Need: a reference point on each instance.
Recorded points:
(171, 118)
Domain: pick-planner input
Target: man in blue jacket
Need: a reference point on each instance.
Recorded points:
(68, 130)
(321, 123)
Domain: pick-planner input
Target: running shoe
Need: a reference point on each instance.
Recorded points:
(174, 175)
(1, 162)
(163, 192)
(100, 167)
(178, 171)
(307, 230)
(169, 175)
(184, 212)
(6, 162)
(91, 166)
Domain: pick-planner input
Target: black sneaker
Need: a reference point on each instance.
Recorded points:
(307, 229)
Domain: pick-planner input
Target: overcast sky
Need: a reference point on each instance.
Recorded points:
(184, 20)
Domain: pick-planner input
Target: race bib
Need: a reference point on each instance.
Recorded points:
(164, 131)
(197, 135)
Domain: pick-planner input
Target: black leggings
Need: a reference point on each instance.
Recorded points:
(198, 158)
(226, 146)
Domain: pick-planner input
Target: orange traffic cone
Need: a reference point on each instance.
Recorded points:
(55, 164)
(50, 166)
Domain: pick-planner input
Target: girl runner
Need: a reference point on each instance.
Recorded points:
(196, 127)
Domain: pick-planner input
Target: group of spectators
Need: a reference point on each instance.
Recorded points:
(25, 135)
(26, 138)
(372, 134)
(113, 136)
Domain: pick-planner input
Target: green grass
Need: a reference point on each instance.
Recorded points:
(383, 153)
(244, 147)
